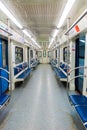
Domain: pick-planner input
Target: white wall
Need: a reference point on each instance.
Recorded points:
(13, 44)
(72, 64)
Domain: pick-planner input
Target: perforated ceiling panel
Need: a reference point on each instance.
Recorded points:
(37, 15)
(41, 16)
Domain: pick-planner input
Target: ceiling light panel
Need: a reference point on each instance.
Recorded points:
(67, 8)
(13, 19)
(39, 16)
(10, 16)
(42, 16)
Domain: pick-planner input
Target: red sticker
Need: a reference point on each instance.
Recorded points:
(77, 28)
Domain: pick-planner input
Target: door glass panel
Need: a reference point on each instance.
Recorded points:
(31, 54)
(18, 55)
(80, 55)
(4, 64)
(39, 54)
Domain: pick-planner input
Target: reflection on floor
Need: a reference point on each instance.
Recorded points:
(40, 103)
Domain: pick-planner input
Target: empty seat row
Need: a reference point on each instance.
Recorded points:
(34, 63)
(22, 71)
(60, 74)
(25, 74)
(20, 67)
(80, 104)
(4, 96)
(61, 71)
(53, 62)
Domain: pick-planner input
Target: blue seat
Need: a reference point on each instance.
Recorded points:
(53, 63)
(62, 65)
(3, 99)
(78, 99)
(20, 67)
(80, 103)
(25, 74)
(61, 74)
(34, 63)
(56, 70)
(86, 125)
(82, 111)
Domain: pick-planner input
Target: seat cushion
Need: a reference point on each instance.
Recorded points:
(82, 111)
(25, 74)
(78, 99)
(3, 98)
(86, 125)
(62, 75)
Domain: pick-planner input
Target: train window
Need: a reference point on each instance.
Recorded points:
(31, 54)
(18, 55)
(28, 54)
(66, 58)
(65, 54)
(56, 53)
(80, 56)
(49, 54)
(4, 54)
(44, 53)
(81, 49)
(39, 54)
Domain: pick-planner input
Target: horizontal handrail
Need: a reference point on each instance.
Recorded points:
(79, 67)
(4, 79)
(7, 31)
(4, 70)
(76, 77)
(18, 68)
(84, 13)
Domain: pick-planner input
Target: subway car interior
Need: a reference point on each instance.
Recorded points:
(43, 64)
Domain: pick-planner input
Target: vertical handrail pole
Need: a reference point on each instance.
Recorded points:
(68, 25)
(9, 58)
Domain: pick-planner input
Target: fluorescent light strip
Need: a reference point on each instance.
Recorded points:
(28, 43)
(38, 45)
(33, 40)
(54, 35)
(65, 12)
(28, 35)
(32, 45)
(10, 16)
(51, 41)
(63, 17)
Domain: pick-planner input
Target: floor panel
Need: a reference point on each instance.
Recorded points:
(40, 103)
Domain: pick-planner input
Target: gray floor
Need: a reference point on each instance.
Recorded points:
(40, 103)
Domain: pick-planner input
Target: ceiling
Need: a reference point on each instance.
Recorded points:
(41, 16)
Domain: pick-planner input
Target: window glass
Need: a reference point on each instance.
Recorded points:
(4, 53)
(56, 53)
(50, 54)
(44, 53)
(66, 55)
(31, 54)
(39, 54)
(18, 55)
